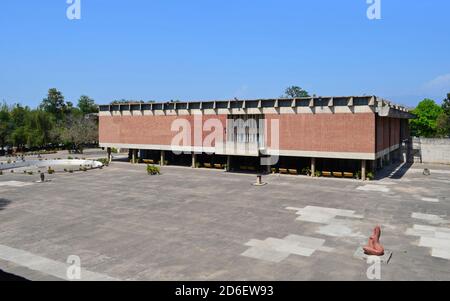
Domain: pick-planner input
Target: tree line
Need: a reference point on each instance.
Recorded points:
(55, 123)
(432, 120)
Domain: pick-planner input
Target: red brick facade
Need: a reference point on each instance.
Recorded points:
(343, 132)
(353, 133)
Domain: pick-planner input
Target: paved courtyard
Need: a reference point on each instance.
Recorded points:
(198, 224)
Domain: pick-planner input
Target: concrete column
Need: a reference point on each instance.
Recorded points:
(133, 156)
(163, 158)
(313, 167)
(388, 158)
(228, 163)
(363, 170)
(194, 160)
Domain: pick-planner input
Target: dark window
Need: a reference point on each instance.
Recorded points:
(182, 106)
(157, 106)
(360, 101)
(169, 106)
(268, 103)
(236, 104)
(285, 103)
(194, 105)
(302, 103)
(222, 104)
(251, 104)
(321, 102)
(208, 105)
(146, 107)
(340, 102)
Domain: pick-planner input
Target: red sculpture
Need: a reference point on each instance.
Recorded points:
(374, 247)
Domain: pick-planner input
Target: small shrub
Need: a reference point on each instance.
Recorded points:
(1, 172)
(370, 176)
(104, 161)
(306, 171)
(153, 170)
(358, 175)
(70, 158)
(318, 174)
(70, 170)
(65, 169)
(50, 171)
(30, 173)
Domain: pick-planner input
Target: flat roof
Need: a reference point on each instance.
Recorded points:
(384, 107)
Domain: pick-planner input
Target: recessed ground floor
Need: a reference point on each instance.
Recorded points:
(275, 164)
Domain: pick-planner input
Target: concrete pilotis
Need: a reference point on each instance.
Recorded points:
(313, 167)
(163, 158)
(194, 160)
(228, 163)
(363, 170)
(134, 153)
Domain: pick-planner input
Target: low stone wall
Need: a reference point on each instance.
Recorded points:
(426, 150)
(47, 163)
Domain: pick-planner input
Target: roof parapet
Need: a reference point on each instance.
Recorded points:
(381, 106)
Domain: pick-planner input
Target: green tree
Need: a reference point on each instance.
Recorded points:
(446, 105)
(443, 121)
(295, 92)
(19, 129)
(87, 105)
(77, 131)
(19, 137)
(5, 125)
(425, 123)
(54, 104)
(443, 125)
(38, 128)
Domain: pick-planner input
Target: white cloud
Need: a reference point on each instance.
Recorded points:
(439, 85)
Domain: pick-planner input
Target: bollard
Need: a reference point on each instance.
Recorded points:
(42, 177)
(259, 181)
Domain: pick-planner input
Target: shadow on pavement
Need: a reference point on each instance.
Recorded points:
(4, 203)
(10, 277)
(394, 171)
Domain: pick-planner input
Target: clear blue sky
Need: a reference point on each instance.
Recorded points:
(220, 49)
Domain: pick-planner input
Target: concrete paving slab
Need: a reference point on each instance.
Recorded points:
(190, 224)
